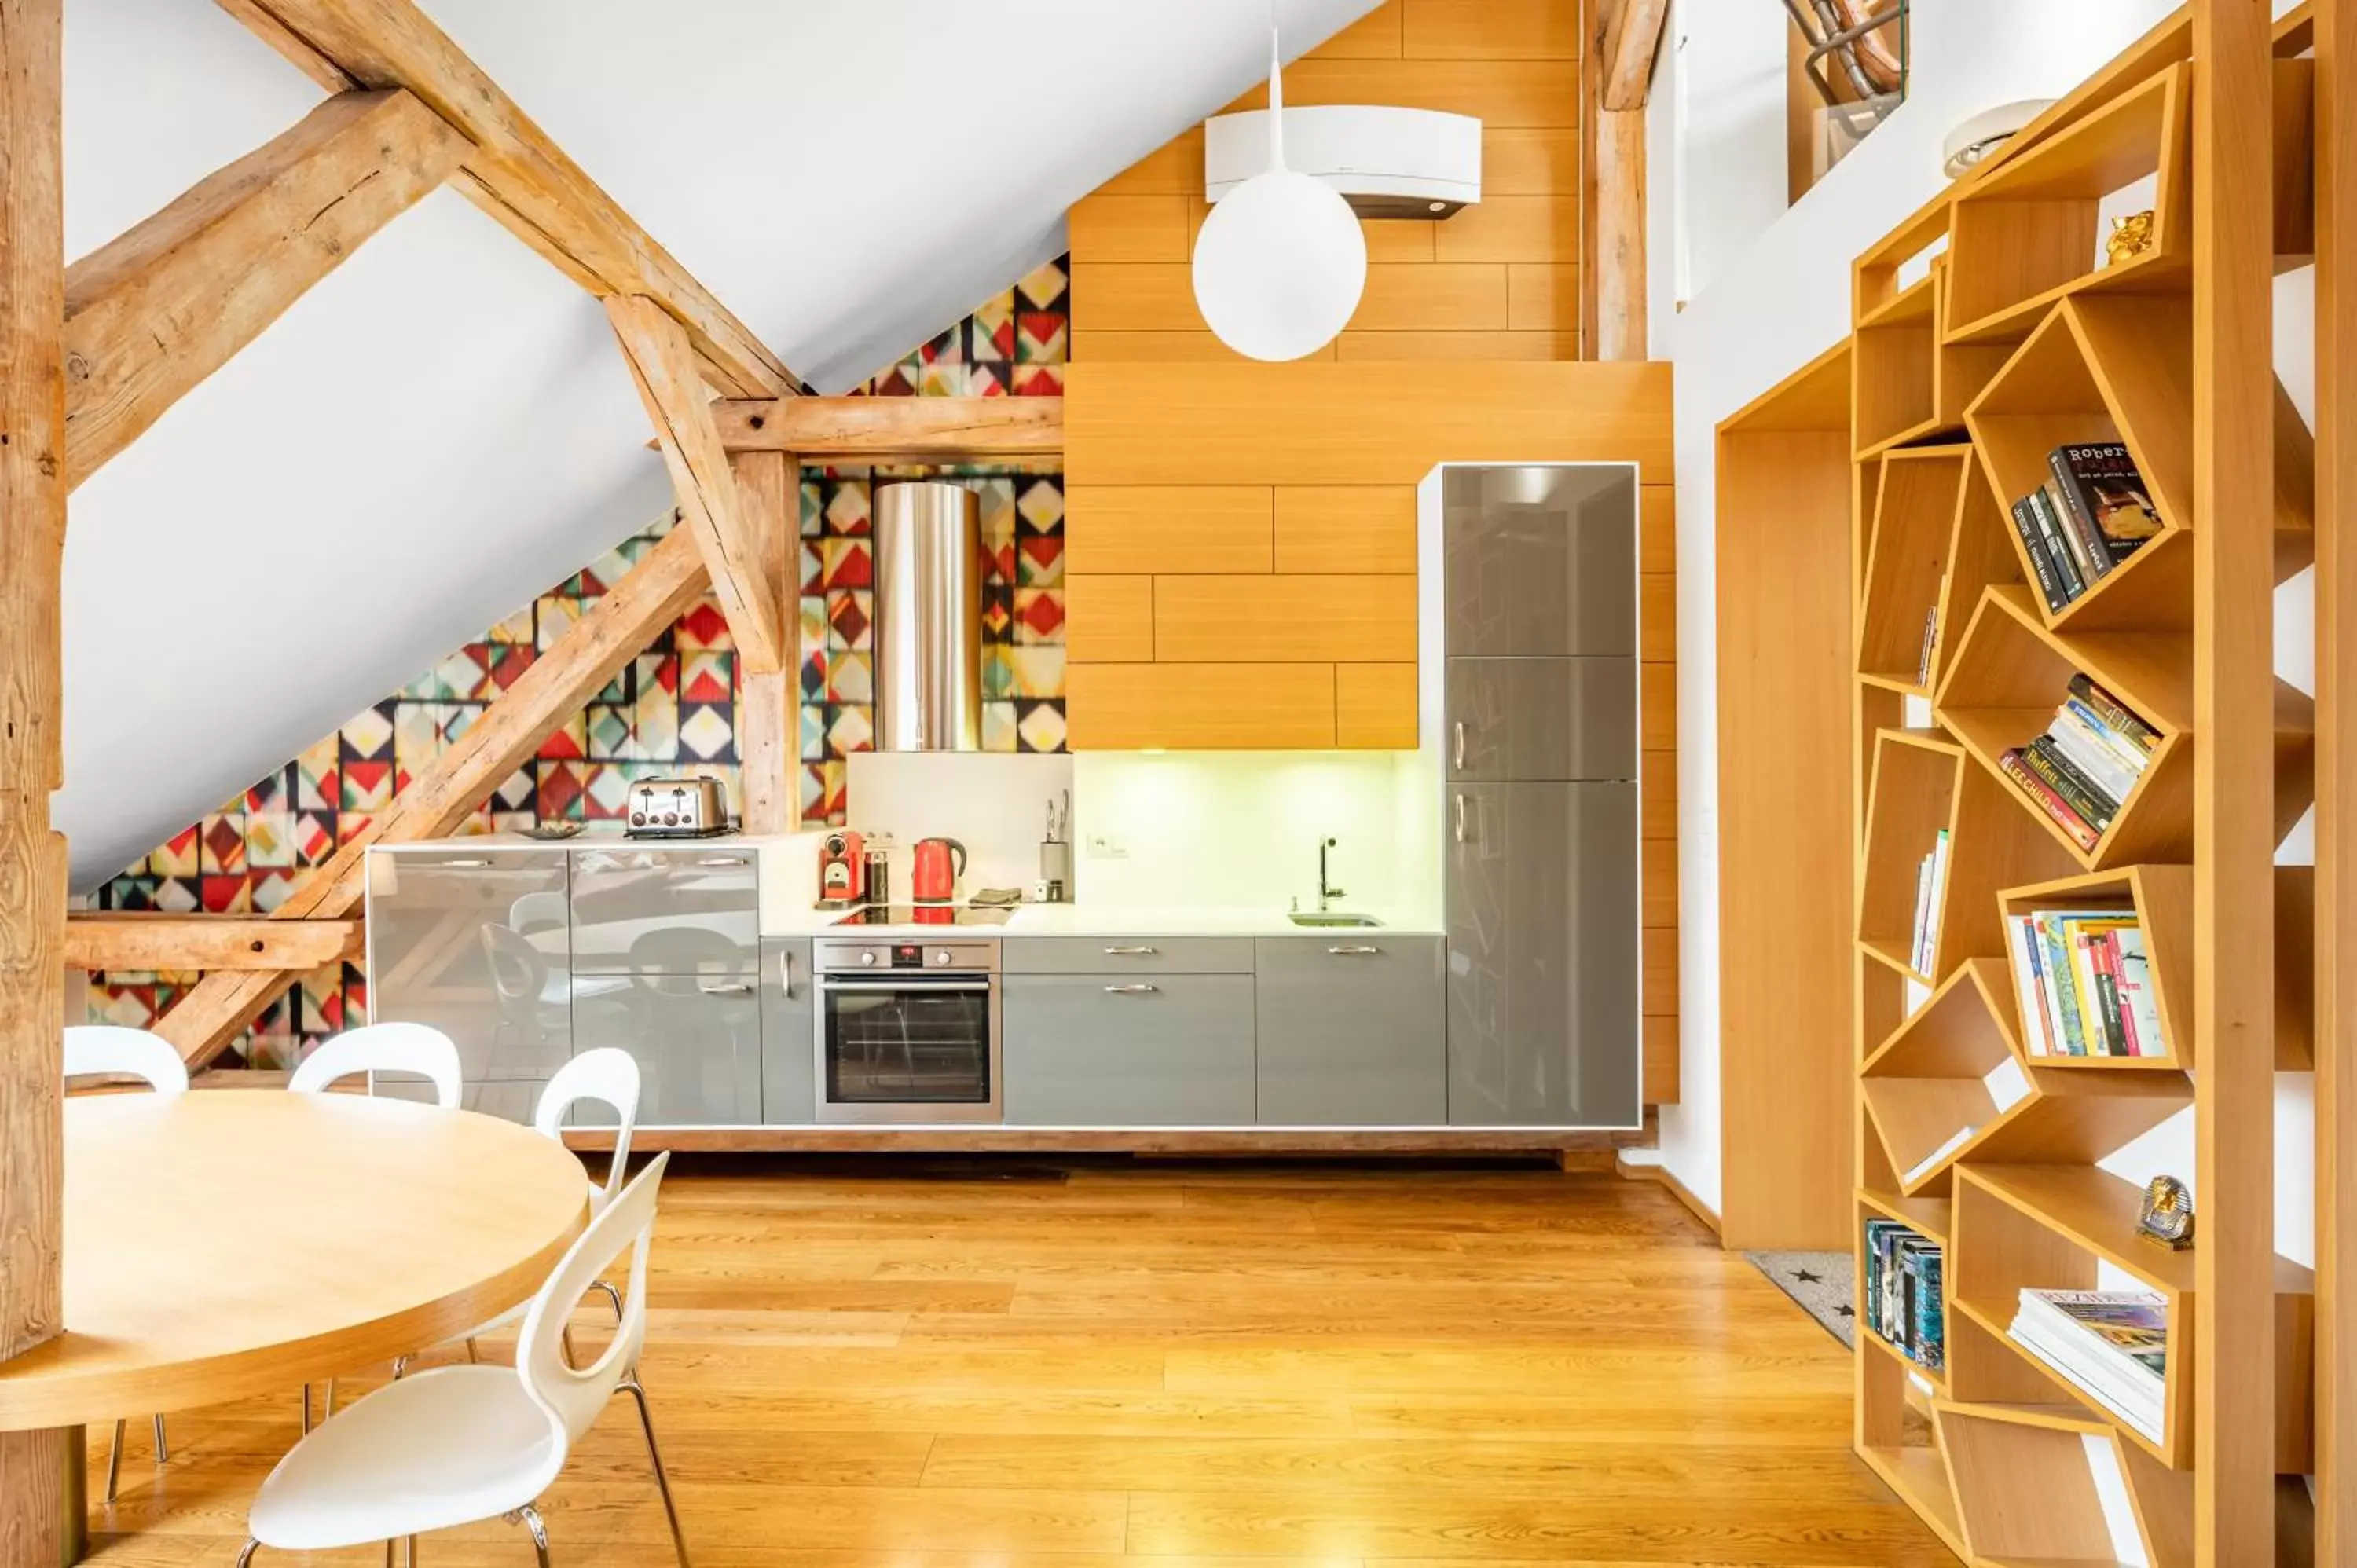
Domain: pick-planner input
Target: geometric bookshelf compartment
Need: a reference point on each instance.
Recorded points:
(2120, 368)
(1892, 361)
(2092, 1499)
(2065, 1226)
(2011, 673)
(2160, 897)
(1922, 783)
(1952, 1083)
(1936, 542)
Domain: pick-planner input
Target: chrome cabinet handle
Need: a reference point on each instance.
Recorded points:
(1131, 953)
(464, 864)
(1460, 763)
(1131, 990)
(786, 974)
(724, 860)
(1460, 819)
(1353, 952)
(727, 988)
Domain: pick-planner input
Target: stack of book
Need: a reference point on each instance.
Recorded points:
(2090, 515)
(2086, 763)
(2085, 984)
(1900, 1300)
(1930, 884)
(2112, 1345)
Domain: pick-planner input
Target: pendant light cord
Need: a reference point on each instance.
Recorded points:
(1276, 94)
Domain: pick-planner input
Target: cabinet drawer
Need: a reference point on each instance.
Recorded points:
(1352, 1031)
(1126, 955)
(693, 909)
(1103, 1051)
(698, 1046)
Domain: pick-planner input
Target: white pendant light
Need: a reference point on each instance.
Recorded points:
(1281, 260)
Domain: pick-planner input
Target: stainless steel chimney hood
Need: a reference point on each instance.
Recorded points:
(928, 617)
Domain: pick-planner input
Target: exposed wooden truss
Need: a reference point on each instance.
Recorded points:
(166, 304)
(118, 939)
(768, 492)
(896, 429)
(652, 595)
(1628, 36)
(1629, 41)
(662, 367)
(514, 172)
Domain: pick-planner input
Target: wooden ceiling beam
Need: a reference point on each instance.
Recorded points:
(129, 939)
(515, 172)
(158, 309)
(1631, 39)
(664, 368)
(895, 429)
(503, 737)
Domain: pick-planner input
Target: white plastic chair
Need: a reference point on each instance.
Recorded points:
(456, 1444)
(414, 1049)
(96, 1049)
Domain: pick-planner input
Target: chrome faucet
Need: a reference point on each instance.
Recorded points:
(1326, 894)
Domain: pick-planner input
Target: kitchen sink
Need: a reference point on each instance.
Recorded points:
(1331, 919)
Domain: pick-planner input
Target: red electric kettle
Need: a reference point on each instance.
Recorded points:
(940, 863)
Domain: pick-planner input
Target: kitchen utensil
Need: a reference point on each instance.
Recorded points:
(939, 864)
(842, 868)
(1056, 870)
(677, 809)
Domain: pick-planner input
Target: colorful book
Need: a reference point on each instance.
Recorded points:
(2084, 747)
(2029, 982)
(2042, 564)
(2115, 714)
(2066, 560)
(2045, 759)
(2081, 832)
(2107, 495)
(2087, 553)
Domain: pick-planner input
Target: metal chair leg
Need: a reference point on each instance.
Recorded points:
(530, 1517)
(246, 1555)
(613, 1296)
(327, 1408)
(655, 1452)
(307, 1409)
(564, 1337)
(114, 1462)
(163, 1449)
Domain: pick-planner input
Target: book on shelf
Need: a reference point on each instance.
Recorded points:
(2090, 515)
(2083, 979)
(2112, 1346)
(1900, 1296)
(1924, 655)
(1930, 884)
(2085, 763)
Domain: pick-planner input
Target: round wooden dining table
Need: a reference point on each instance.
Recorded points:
(226, 1243)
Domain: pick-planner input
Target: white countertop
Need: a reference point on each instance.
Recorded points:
(1106, 920)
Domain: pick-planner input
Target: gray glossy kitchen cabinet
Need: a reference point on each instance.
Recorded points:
(1539, 561)
(688, 908)
(473, 943)
(1543, 918)
(788, 1021)
(1534, 718)
(697, 1039)
(1103, 1050)
(1126, 955)
(1352, 1031)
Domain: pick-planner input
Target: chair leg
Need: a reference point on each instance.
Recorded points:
(113, 1461)
(530, 1517)
(327, 1408)
(307, 1409)
(246, 1555)
(655, 1452)
(613, 1296)
(163, 1449)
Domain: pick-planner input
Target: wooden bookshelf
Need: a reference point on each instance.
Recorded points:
(1999, 1454)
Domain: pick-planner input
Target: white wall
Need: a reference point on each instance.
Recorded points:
(994, 804)
(1760, 315)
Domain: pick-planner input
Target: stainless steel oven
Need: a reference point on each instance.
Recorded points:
(907, 1031)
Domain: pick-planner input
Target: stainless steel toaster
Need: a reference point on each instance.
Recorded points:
(677, 809)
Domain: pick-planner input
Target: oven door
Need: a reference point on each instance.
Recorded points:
(914, 1048)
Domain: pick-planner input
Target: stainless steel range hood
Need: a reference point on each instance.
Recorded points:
(928, 617)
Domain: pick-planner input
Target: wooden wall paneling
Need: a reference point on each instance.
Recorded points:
(1254, 423)
(1097, 347)
(1175, 167)
(1490, 30)
(2235, 1330)
(1375, 35)
(1112, 226)
(1542, 297)
(1528, 160)
(32, 856)
(1661, 1060)
(1108, 619)
(1442, 296)
(1374, 707)
(1510, 228)
(1514, 94)
(769, 707)
(1657, 536)
(156, 310)
(1128, 707)
(2335, 1029)
(1345, 527)
(1169, 527)
(1561, 343)
(1285, 619)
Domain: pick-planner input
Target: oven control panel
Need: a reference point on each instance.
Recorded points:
(867, 956)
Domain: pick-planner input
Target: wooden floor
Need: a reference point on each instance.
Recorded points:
(1212, 1365)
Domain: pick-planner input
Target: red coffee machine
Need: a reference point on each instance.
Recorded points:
(940, 863)
(842, 869)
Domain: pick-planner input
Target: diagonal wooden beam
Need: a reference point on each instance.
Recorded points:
(128, 940)
(166, 304)
(502, 739)
(515, 172)
(1631, 39)
(656, 348)
(895, 429)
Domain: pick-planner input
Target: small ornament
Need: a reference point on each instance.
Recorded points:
(2130, 236)
(2167, 1218)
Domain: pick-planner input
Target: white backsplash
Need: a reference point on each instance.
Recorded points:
(994, 804)
(1242, 829)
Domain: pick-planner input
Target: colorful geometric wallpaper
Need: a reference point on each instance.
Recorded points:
(674, 708)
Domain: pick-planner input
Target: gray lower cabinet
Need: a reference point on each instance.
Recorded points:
(1352, 1031)
(684, 908)
(789, 1018)
(698, 1044)
(1105, 1050)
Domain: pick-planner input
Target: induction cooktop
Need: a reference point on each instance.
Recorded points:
(925, 915)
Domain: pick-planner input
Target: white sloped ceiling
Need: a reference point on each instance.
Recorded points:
(443, 427)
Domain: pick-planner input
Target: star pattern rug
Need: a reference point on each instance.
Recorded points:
(1823, 1282)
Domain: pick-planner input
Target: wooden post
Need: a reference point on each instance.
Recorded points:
(2336, 793)
(32, 857)
(769, 718)
(2233, 784)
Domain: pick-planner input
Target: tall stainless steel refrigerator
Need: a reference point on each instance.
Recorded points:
(1538, 623)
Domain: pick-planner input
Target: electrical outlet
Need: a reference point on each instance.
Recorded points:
(1107, 846)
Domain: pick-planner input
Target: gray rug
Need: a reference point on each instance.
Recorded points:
(1821, 1282)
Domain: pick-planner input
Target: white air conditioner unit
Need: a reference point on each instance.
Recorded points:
(1388, 162)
